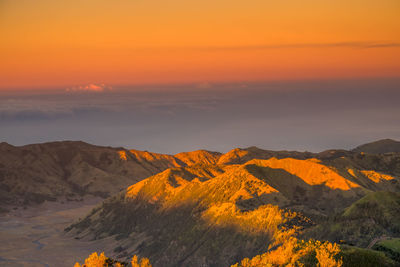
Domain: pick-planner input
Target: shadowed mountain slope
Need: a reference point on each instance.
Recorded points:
(374, 216)
(379, 147)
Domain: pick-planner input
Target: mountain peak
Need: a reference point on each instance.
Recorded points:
(199, 156)
(5, 145)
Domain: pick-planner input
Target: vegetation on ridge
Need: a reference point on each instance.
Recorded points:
(95, 260)
(294, 252)
(374, 216)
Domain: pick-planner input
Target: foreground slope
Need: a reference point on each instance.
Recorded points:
(375, 216)
(245, 204)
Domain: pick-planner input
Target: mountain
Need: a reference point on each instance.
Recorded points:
(205, 208)
(247, 202)
(379, 147)
(71, 170)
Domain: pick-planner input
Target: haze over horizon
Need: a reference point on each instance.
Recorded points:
(312, 116)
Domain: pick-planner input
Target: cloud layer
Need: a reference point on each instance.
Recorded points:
(304, 116)
(91, 88)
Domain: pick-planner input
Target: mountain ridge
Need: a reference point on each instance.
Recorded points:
(70, 170)
(73, 169)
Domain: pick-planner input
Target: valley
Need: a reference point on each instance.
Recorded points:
(35, 236)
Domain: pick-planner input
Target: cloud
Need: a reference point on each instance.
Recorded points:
(204, 85)
(91, 101)
(92, 87)
(355, 44)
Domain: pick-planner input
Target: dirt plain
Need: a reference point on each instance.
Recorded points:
(35, 236)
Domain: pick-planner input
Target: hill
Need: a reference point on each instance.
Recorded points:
(71, 170)
(390, 246)
(205, 208)
(218, 214)
(374, 216)
(379, 147)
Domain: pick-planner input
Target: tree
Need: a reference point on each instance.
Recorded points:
(144, 262)
(95, 260)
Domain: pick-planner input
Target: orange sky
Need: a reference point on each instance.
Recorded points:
(62, 43)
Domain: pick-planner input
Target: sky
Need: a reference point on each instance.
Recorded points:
(179, 75)
(47, 44)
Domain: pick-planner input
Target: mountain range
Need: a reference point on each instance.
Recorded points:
(205, 208)
(70, 170)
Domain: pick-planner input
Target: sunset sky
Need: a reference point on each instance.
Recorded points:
(47, 43)
(179, 75)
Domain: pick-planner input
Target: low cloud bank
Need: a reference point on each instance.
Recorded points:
(91, 88)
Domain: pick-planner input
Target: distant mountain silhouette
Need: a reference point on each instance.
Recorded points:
(381, 146)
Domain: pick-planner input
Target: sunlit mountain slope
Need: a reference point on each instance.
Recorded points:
(218, 214)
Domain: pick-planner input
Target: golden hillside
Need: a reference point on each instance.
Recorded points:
(216, 214)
